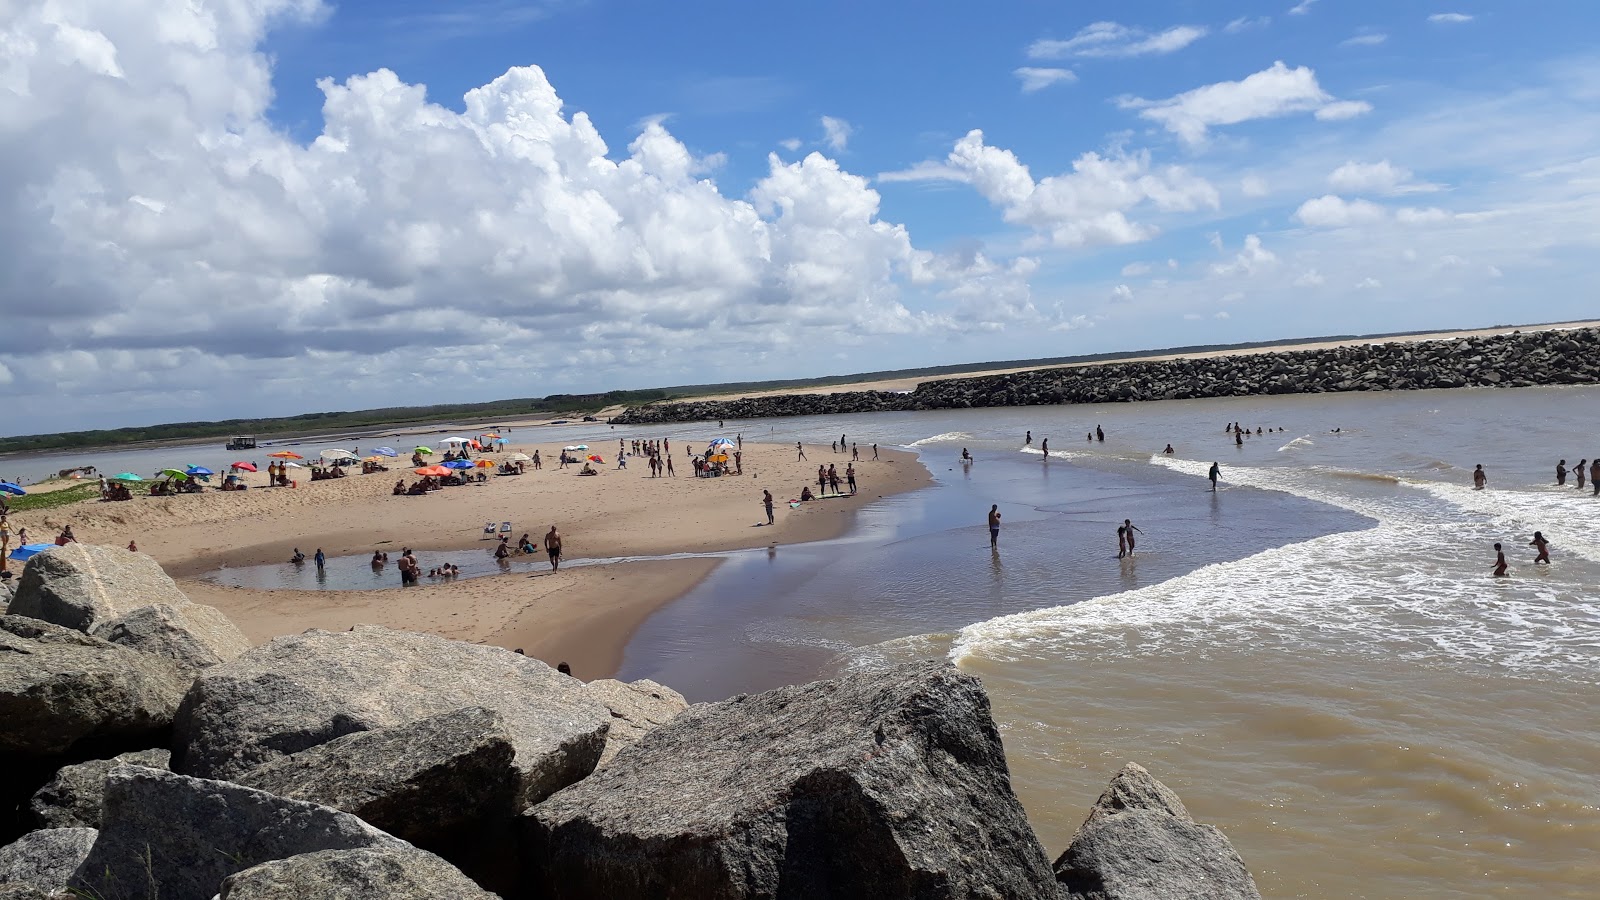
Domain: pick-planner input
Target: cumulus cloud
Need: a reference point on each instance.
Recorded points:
(791, 144)
(1333, 211)
(157, 232)
(1251, 259)
(1450, 18)
(1037, 79)
(1382, 177)
(1253, 186)
(1310, 278)
(1112, 40)
(1339, 110)
(1089, 205)
(836, 133)
(1271, 93)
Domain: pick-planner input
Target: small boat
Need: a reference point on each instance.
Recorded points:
(242, 442)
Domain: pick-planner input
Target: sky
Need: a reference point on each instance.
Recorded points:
(221, 208)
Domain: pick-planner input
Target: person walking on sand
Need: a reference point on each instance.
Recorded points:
(1499, 562)
(994, 526)
(552, 548)
(833, 480)
(855, 453)
(800, 452)
(670, 472)
(1214, 474)
(1479, 478)
(766, 500)
(1541, 545)
(874, 451)
(1561, 473)
(1128, 525)
(850, 477)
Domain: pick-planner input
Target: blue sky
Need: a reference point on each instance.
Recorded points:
(252, 207)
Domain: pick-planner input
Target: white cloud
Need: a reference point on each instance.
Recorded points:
(791, 144)
(1121, 294)
(1451, 18)
(1246, 23)
(1310, 278)
(1339, 110)
(1109, 39)
(836, 133)
(1252, 258)
(1301, 8)
(1253, 186)
(1368, 284)
(1333, 211)
(1270, 93)
(1411, 215)
(1135, 269)
(1037, 79)
(1089, 205)
(1382, 177)
(1221, 314)
(1368, 39)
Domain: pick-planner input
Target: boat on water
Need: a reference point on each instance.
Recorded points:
(242, 442)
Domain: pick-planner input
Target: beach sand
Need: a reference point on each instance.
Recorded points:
(583, 615)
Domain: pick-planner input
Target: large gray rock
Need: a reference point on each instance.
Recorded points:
(171, 837)
(16, 891)
(387, 873)
(60, 689)
(45, 859)
(888, 785)
(73, 798)
(192, 635)
(637, 708)
(81, 586)
(1139, 843)
(419, 781)
(297, 692)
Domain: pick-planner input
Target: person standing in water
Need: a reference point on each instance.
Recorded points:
(1128, 525)
(552, 547)
(1044, 447)
(1099, 435)
(994, 526)
(1578, 471)
(1122, 541)
(1499, 562)
(1214, 474)
(1028, 440)
(321, 560)
(1561, 473)
(1238, 439)
(1541, 545)
(1594, 474)
(1480, 478)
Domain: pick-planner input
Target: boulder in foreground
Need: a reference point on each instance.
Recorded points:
(637, 708)
(192, 635)
(419, 781)
(60, 690)
(1139, 843)
(296, 692)
(74, 797)
(389, 873)
(45, 859)
(81, 586)
(890, 784)
(171, 837)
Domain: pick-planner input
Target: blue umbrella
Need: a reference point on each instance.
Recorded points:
(385, 451)
(200, 470)
(27, 551)
(458, 464)
(7, 487)
(502, 441)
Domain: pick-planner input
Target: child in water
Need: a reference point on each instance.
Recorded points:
(1499, 562)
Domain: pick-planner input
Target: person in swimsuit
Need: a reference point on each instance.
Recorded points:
(1122, 541)
(1168, 451)
(1131, 528)
(1561, 473)
(1594, 474)
(552, 548)
(1044, 447)
(1214, 474)
(766, 500)
(1028, 441)
(1543, 546)
(1479, 478)
(1499, 562)
(994, 526)
(799, 451)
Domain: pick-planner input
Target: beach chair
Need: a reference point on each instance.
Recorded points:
(505, 527)
(488, 528)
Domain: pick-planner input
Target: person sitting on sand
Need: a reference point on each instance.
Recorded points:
(587, 470)
(66, 537)
(501, 551)
(526, 545)
(133, 547)
(805, 494)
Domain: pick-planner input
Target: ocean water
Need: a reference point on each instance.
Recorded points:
(1315, 657)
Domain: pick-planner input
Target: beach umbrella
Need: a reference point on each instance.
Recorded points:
(432, 470)
(385, 451)
(294, 465)
(337, 454)
(285, 454)
(455, 440)
(595, 457)
(200, 471)
(491, 434)
(248, 467)
(485, 464)
(502, 441)
(174, 474)
(425, 451)
(721, 442)
(373, 459)
(126, 476)
(520, 457)
(28, 551)
(7, 487)
(458, 464)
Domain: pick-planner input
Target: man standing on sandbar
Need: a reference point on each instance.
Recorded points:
(994, 527)
(552, 548)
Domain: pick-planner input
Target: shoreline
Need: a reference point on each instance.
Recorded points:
(584, 615)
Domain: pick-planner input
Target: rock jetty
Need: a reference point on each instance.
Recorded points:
(1509, 360)
(383, 763)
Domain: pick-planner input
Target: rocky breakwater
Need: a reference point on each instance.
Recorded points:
(378, 763)
(1510, 360)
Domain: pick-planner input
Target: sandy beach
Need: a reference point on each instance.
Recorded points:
(583, 615)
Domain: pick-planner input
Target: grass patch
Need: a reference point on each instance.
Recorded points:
(89, 490)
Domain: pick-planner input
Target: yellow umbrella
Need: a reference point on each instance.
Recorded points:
(720, 457)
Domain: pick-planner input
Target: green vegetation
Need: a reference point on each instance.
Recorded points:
(89, 489)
